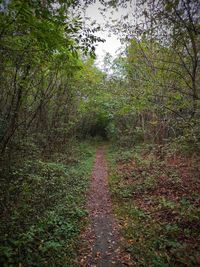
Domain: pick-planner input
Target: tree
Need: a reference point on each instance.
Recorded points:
(40, 46)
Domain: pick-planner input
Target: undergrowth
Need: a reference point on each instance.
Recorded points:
(156, 199)
(42, 208)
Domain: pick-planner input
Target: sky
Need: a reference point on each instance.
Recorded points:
(112, 43)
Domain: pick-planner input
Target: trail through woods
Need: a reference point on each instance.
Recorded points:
(103, 235)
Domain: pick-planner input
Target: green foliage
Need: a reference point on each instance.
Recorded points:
(158, 221)
(41, 46)
(53, 94)
(43, 209)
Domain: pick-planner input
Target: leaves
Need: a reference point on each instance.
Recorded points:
(45, 210)
(158, 216)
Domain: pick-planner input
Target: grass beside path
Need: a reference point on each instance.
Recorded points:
(156, 199)
(43, 213)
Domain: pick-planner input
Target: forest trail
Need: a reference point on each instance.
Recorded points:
(103, 235)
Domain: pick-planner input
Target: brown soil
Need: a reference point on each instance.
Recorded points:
(102, 235)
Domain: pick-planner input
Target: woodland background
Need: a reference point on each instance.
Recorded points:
(54, 99)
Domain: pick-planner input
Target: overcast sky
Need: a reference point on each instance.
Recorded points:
(112, 43)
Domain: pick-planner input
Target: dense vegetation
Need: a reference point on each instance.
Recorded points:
(53, 97)
(156, 201)
(44, 171)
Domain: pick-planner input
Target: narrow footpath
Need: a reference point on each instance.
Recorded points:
(104, 251)
(103, 235)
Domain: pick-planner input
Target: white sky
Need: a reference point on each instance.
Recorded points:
(112, 44)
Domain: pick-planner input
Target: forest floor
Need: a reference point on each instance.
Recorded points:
(42, 207)
(101, 245)
(157, 205)
(115, 206)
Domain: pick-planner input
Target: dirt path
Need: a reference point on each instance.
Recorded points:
(103, 235)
